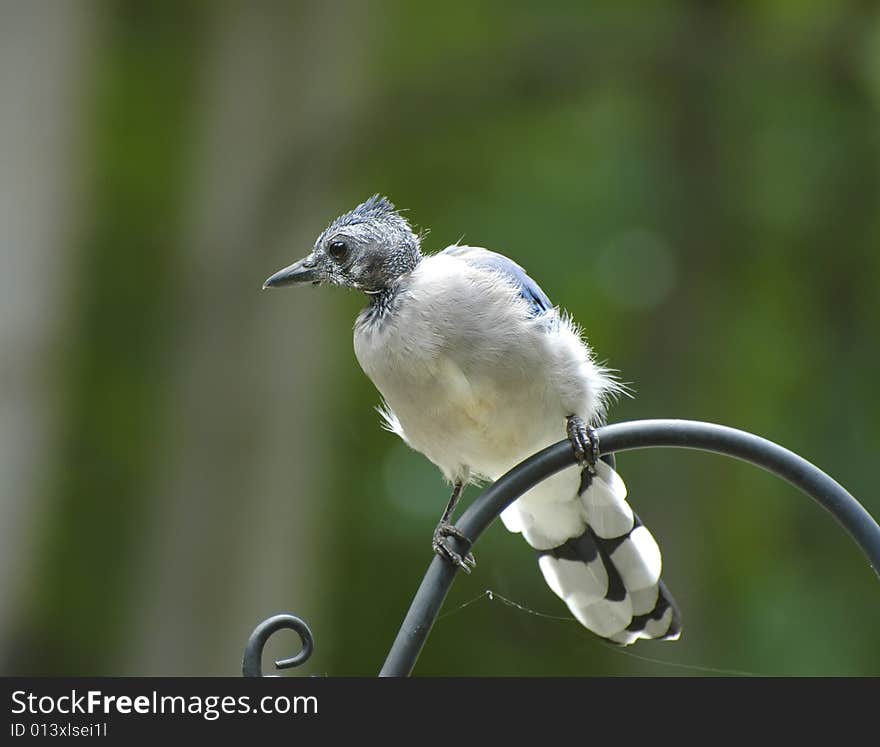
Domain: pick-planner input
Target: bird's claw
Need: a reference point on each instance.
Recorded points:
(440, 544)
(583, 441)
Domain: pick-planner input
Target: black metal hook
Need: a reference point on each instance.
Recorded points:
(639, 434)
(252, 663)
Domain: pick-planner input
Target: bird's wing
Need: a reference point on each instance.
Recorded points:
(516, 275)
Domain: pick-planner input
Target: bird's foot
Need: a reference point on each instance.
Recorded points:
(584, 442)
(441, 545)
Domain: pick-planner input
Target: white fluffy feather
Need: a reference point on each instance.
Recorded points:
(476, 382)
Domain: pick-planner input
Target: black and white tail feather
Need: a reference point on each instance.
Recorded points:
(609, 575)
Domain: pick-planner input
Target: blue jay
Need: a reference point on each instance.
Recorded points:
(477, 371)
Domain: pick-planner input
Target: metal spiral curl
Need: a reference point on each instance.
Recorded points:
(252, 662)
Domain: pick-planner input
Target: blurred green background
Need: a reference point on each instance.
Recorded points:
(183, 455)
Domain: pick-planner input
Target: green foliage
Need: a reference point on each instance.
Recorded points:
(698, 185)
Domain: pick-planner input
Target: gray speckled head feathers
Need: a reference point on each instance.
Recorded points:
(368, 248)
(376, 208)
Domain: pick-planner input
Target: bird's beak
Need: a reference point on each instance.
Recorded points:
(304, 271)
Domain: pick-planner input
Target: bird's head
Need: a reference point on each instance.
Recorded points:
(368, 249)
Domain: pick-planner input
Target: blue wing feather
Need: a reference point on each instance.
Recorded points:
(487, 260)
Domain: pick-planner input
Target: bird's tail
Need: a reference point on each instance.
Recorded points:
(598, 557)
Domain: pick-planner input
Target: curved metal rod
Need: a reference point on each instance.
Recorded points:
(636, 434)
(252, 663)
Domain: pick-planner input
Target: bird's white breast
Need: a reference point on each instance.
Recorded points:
(474, 382)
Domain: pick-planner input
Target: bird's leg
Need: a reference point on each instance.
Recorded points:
(584, 442)
(445, 529)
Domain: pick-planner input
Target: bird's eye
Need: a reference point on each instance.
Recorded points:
(337, 249)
